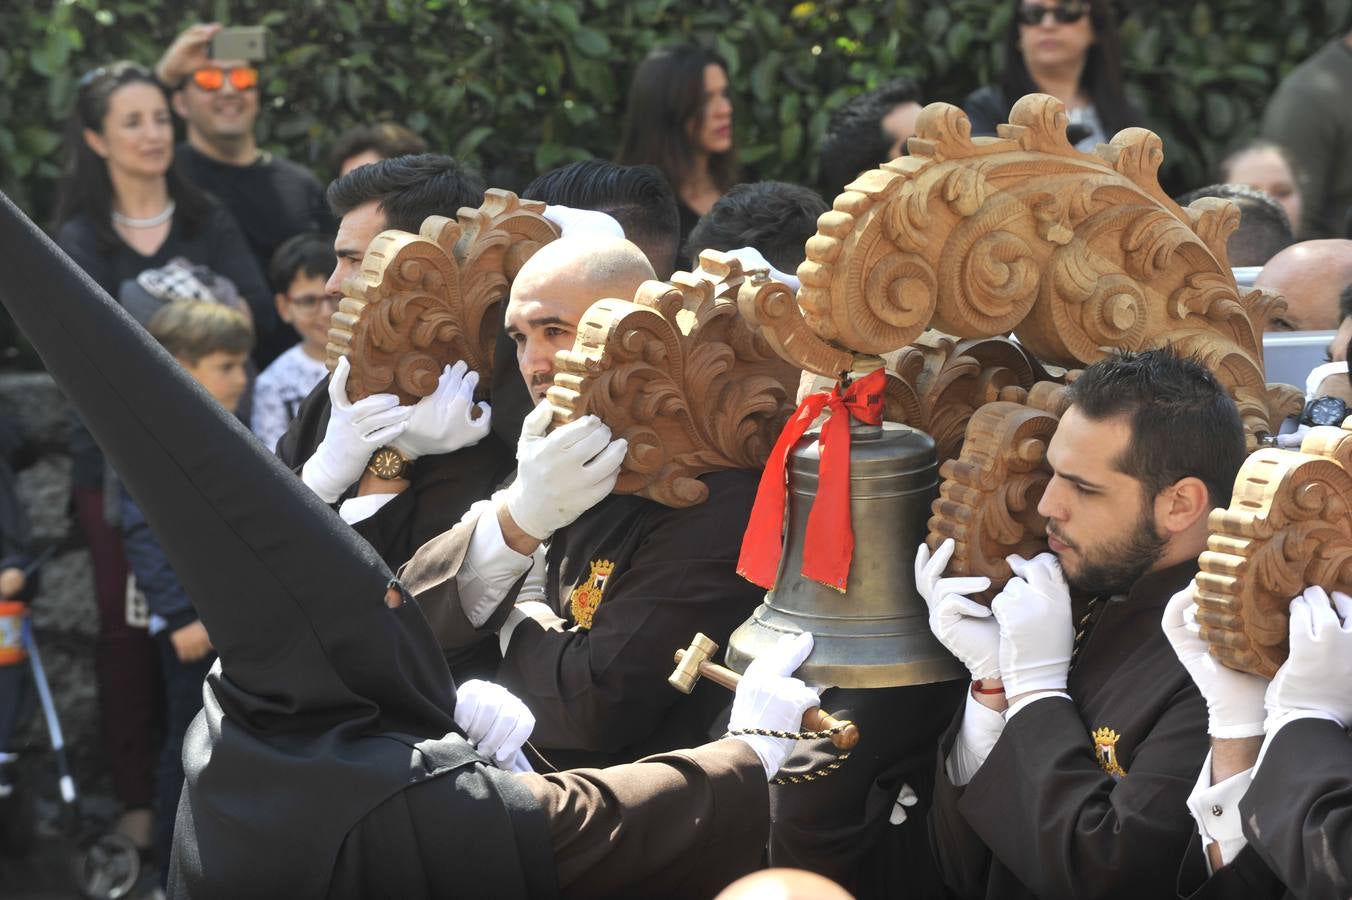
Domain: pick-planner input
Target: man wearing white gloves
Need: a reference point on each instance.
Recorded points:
(1273, 803)
(1067, 771)
(587, 622)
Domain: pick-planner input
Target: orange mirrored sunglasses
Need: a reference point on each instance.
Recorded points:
(213, 79)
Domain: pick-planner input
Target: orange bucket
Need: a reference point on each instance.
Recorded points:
(12, 614)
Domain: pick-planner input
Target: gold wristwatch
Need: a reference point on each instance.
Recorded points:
(389, 464)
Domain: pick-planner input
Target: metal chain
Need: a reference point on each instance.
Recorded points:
(815, 774)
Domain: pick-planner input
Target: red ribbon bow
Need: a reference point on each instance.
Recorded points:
(829, 546)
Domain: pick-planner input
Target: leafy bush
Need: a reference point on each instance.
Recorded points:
(520, 86)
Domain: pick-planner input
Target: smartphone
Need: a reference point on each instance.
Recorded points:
(249, 43)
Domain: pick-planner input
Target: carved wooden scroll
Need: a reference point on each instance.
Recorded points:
(424, 300)
(1289, 525)
(683, 376)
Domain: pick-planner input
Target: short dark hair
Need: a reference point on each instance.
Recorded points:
(408, 189)
(387, 139)
(1345, 302)
(638, 197)
(1183, 422)
(855, 141)
(1264, 230)
(310, 253)
(775, 217)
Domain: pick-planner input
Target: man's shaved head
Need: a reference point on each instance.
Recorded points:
(1310, 275)
(554, 289)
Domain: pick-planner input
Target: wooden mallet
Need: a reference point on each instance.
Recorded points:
(694, 662)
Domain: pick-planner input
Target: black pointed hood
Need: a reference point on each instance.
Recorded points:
(292, 598)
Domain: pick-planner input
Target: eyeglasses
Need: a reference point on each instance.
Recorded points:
(310, 302)
(1324, 411)
(1033, 13)
(212, 78)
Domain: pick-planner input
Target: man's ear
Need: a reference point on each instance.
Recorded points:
(96, 142)
(179, 104)
(1182, 505)
(283, 308)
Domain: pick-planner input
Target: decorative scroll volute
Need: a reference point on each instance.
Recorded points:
(683, 376)
(422, 301)
(1289, 525)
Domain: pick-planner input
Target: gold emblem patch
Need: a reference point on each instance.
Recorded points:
(1105, 749)
(587, 596)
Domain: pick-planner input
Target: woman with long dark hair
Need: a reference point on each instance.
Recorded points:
(123, 210)
(1070, 50)
(679, 118)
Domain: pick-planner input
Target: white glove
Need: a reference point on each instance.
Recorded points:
(769, 698)
(1317, 676)
(905, 797)
(583, 222)
(961, 624)
(1036, 635)
(561, 475)
(1234, 700)
(494, 719)
(751, 258)
(356, 430)
(441, 422)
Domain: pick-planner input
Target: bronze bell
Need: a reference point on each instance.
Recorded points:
(877, 633)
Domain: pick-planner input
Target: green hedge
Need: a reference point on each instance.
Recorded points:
(519, 86)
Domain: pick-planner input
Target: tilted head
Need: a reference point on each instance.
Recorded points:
(1267, 166)
(867, 131)
(553, 290)
(1310, 275)
(220, 103)
(297, 272)
(775, 217)
(1150, 445)
(638, 197)
(395, 193)
(1264, 229)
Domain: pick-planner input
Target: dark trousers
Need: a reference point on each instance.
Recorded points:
(182, 702)
(124, 661)
(838, 826)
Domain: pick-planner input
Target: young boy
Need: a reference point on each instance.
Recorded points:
(212, 343)
(298, 271)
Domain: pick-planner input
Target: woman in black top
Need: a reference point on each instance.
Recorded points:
(1066, 48)
(679, 118)
(123, 210)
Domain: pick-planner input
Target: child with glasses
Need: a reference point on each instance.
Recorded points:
(298, 271)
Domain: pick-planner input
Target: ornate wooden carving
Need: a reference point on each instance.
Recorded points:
(1289, 525)
(424, 300)
(683, 376)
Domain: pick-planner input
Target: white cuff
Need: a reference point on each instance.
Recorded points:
(981, 728)
(1276, 725)
(1215, 809)
(490, 567)
(532, 610)
(1025, 701)
(364, 507)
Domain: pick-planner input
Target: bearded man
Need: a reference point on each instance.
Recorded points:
(1068, 771)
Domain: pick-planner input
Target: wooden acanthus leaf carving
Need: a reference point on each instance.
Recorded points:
(1078, 254)
(424, 300)
(988, 496)
(683, 376)
(1288, 526)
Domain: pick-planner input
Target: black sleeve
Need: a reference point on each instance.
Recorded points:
(1245, 878)
(77, 238)
(232, 257)
(1297, 813)
(963, 858)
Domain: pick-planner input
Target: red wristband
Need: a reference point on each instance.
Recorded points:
(978, 689)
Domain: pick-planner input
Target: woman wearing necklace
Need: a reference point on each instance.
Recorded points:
(679, 118)
(1066, 48)
(122, 210)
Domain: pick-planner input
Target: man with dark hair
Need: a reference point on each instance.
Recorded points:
(373, 142)
(1068, 770)
(774, 217)
(638, 197)
(1263, 232)
(272, 198)
(867, 131)
(332, 455)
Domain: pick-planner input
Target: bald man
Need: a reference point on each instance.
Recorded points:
(585, 592)
(1310, 275)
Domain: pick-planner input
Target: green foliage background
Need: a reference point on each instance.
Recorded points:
(521, 86)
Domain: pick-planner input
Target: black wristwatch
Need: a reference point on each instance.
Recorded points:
(1324, 411)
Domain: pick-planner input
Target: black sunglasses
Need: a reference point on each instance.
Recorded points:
(1034, 13)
